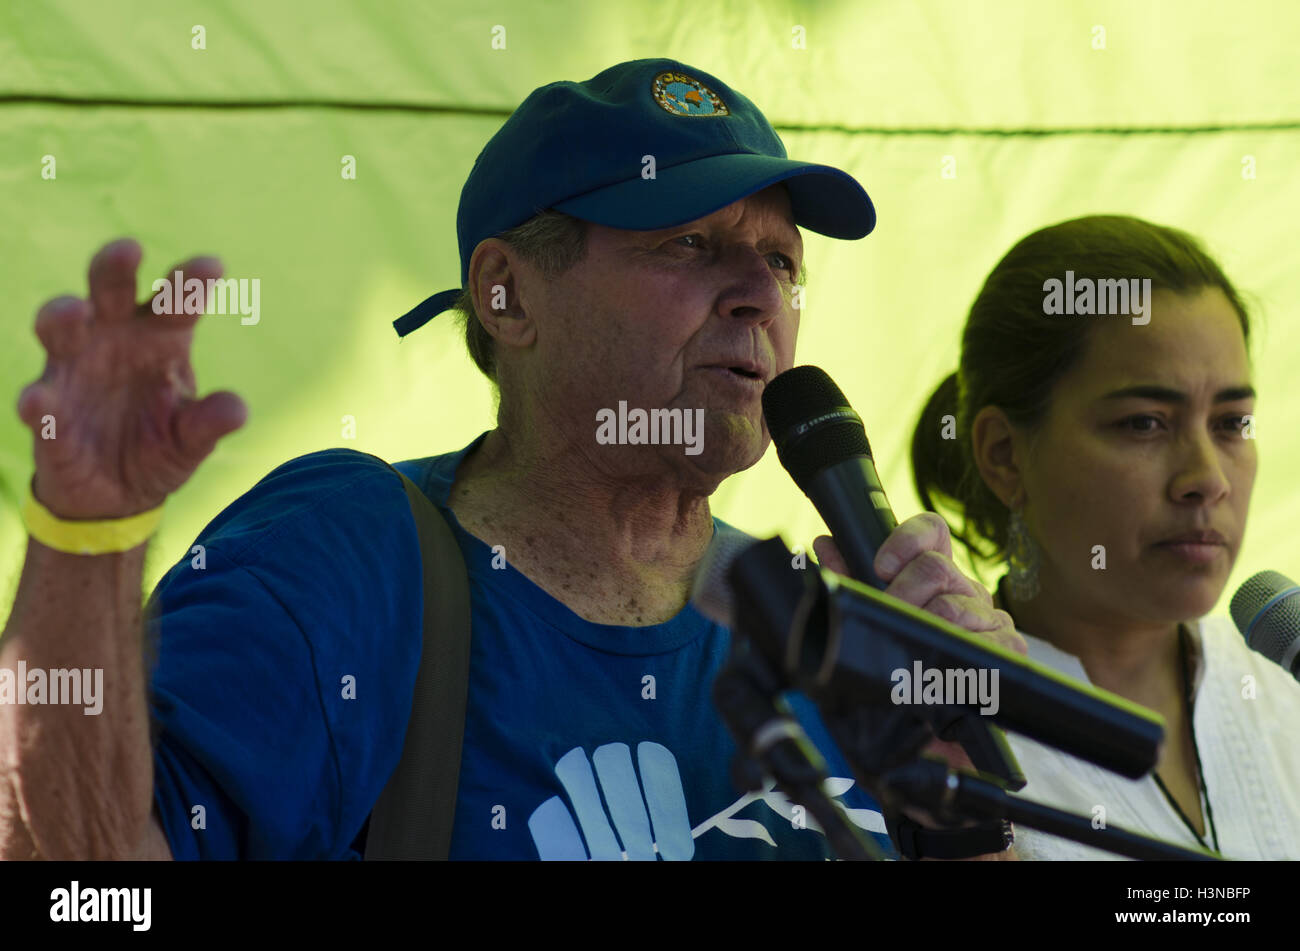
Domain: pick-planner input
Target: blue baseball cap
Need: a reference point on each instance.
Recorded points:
(585, 149)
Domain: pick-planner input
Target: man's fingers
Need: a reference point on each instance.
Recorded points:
(968, 612)
(924, 532)
(200, 423)
(965, 612)
(112, 280)
(927, 576)
(180, 303)
(62, 326)
(828, 555)
(1007, 635)
(34, 402)
(978, 618)
(181, 377)
(954, 753)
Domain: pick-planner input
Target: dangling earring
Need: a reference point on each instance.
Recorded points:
(1022, 559)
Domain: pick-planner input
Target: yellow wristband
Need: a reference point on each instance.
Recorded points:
(88, 537)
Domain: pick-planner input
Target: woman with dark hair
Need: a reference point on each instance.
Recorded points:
(1108, 459)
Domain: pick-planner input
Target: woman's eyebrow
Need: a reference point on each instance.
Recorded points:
(1151, 391)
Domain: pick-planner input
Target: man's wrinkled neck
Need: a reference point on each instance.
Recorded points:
(560, 488)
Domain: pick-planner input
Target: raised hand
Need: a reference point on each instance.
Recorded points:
(118, 395)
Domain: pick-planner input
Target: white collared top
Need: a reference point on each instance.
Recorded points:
(1246, 711)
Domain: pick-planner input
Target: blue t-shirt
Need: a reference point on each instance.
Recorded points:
(287, 650)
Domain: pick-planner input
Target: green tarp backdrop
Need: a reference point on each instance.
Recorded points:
(1185, 113)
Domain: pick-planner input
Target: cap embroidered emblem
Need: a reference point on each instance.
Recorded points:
(683, 96)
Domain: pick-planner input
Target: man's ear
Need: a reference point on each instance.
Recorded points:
(997, 452)
(495, 271)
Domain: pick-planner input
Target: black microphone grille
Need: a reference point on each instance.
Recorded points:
(812, 424)
(1271, 633)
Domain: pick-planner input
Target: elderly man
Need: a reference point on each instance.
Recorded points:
(631, 239)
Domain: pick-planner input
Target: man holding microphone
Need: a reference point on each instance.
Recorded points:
(679, 294)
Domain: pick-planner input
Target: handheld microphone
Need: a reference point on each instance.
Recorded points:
(822, 443)
(1266, 609)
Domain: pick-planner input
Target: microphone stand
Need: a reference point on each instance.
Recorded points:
(882, 742)
(769, 740)
(884, 750)
(956, 795)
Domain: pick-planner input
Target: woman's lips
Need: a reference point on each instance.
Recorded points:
(1196, 553)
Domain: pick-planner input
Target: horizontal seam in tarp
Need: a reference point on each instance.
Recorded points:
(85, 102)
